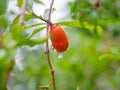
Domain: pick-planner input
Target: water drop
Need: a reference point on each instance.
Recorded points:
(60, 55)
(53, 48)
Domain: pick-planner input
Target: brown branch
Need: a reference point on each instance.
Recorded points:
(24, 5)
(41, 18)
(8, 70)
(47, 43)
(47, 48)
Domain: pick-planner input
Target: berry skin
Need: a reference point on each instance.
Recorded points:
(58, 38)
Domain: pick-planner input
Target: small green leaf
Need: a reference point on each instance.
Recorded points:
(96, 29)
(78, 88)
(3, 22)
(109, 56)
(43, 87)
(15, 29)
(3, 6)
(33, 25)
(46, 12)
(29, 16)
(17, 32)
(19, 3)
(25, 41)
(72, 23)
(30, 4)
(38, 1)
(118, 72)
(36, 31)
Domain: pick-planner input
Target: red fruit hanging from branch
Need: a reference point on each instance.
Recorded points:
(58, 38)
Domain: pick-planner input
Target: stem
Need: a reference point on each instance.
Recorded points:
(24, 5)
(47, 43)
(41, 18)
(8, 71)
(47, 48)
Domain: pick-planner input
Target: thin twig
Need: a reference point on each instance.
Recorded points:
(50, 10)
(41, 18)
(8, 71)
(24, 5)
(47, 43)
(47, 48)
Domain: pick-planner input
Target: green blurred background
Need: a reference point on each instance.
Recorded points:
(91, 62)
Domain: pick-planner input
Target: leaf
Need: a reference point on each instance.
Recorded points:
(19, 3)
(26, 41)
(72, 23)
(30, 4)
(118, 71)
(29, 16)
(46, 12)
(36, 31)
(15, 29)
(38, 1)
(92, 27)
(3, 22)
(3, 6)
(44, 87)
(33, 25)
(17, 32)
(78, 88)
(109, 56)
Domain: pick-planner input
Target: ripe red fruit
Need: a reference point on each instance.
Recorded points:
(58, 38)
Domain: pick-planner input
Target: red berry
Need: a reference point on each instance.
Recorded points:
(58, 38)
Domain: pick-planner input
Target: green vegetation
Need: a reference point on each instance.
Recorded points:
(91, 62)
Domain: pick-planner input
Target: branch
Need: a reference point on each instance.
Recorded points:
(47, 48)
(47, 43)
(8, 70)
(41, 18)
(24, 5)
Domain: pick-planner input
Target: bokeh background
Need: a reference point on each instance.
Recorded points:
(91, 62)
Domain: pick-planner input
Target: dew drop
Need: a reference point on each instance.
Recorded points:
(53, 48)
(60, 55)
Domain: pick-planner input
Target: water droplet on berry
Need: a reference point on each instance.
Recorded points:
(53, 48)
(60, 55)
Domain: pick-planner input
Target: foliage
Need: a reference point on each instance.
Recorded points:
(98, 53)
(91, 62)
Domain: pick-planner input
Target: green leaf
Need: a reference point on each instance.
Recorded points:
(72, 23)
(26, 41)
(46, 12)
(19, 3)
(36, 31)
(92, 27)
(3, 22)
(15, 29)
(38, 1)
(29, 16)
(118, 71)
(33, 25)
(17, 32)
(109, 56)
(30, 4)
(44, 87)
(3, 6)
